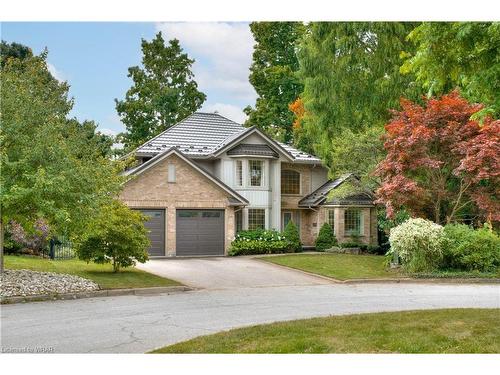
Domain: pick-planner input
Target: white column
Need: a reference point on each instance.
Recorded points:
(276, 195)
(245, 218)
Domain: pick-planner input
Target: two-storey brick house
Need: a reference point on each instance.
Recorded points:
(207, 177)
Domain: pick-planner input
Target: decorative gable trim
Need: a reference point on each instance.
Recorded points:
(271, 142)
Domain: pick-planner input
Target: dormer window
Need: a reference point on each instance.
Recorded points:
(290, 182)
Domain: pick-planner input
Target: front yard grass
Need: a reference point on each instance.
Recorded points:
(102, 274)
(427, 331)
(338, 266)
(348, 266)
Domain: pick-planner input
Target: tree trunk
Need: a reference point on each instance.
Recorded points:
(116, 266)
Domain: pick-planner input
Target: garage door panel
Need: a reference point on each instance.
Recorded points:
(156, 228)
(200, 232)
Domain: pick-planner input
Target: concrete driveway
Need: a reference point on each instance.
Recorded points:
(228, 273)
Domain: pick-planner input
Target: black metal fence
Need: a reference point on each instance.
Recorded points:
(60, 248)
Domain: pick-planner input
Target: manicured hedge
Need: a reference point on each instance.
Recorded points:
(260, 242)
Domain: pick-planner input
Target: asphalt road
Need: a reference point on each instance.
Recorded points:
(137, 324)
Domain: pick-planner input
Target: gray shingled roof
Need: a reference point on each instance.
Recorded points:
(197, 135)
(253, 149)
(202, 134)
(299, 155)
(320, 195)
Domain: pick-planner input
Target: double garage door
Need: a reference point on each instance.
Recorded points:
(198, 232)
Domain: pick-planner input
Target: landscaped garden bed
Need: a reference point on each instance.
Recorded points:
(427, 331)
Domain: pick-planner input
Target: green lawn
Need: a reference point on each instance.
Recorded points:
(428, 331)
(102, 274)
(338, 266)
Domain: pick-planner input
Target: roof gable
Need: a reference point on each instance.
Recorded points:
(237, 199)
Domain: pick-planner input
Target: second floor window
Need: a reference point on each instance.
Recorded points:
(290, 182)
(255, 172)
(239, 173)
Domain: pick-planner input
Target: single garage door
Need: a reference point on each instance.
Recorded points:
(156, 227)
(199, 232)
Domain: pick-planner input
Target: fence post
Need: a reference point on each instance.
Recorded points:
(52, 249)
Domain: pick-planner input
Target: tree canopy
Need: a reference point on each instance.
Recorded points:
(273, 75)
(464, 55)
(13, 50)
(351, 77)
(163, 92)
(52, 168)
(441, 164)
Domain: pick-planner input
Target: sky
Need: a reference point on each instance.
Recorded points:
(94, 57)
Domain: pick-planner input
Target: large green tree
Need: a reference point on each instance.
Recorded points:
(13, 50)
(351, 75)
(49, 169)
(273, 75)
(164, 92)
(458, 54)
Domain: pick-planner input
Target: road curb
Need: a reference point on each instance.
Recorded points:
(97, 293)
(405, 280)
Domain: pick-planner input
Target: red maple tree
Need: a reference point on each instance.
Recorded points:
(440, 164)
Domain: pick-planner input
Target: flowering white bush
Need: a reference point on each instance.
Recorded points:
(418, 243)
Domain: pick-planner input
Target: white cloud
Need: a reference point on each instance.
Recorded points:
(232, 112)
(223, 54)
(107, 131)
(55, 73)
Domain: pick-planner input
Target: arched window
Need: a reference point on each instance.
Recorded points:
(290, 182)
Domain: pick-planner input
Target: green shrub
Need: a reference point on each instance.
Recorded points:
(116, 236)
(350, 244)
(418, 243)
(326, 238)
(470, 250)
(291, 233)
(250, 242)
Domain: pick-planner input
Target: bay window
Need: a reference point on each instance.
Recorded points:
(255, 168)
